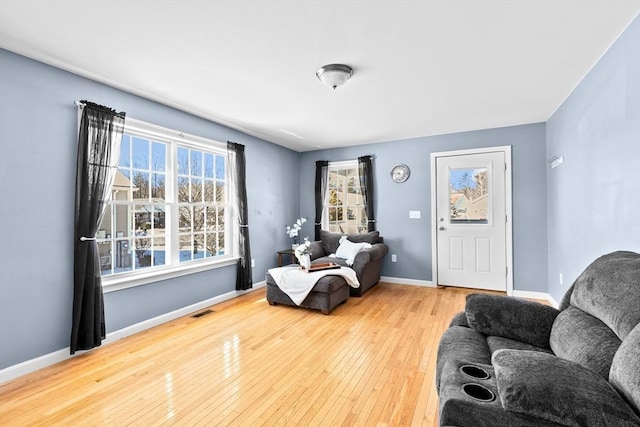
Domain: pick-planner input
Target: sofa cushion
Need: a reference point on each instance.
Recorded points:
(544, 386)
(510, 317)
(609, 289)
(331, 240)
(582, 338)
(369, 237)
(501, 343)
(625, 369)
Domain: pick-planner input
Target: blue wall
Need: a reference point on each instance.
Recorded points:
(594, 196)
(38, 131)
(562, 218)
(410, 239)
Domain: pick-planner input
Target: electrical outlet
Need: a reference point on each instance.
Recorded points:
(560, 278)
(394, 258)
(253, 262)
(414, 214)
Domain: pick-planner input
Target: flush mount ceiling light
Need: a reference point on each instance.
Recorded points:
(334, 75)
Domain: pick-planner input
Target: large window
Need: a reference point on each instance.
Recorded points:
(344, 211)
(168, 204)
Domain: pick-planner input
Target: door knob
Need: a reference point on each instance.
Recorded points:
(441, 228)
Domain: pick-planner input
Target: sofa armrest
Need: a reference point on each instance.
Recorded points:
(509, 317)
(376, 251)
(549, 388)
(316, 250)
(366, 256)
(460, 319)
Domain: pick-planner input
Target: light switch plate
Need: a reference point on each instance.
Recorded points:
(414, 214)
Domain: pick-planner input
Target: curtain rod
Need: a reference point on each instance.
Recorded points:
(83, 103)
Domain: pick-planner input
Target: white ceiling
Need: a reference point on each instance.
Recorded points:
(420, 67)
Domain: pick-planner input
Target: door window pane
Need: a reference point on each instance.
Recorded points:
(468, 195)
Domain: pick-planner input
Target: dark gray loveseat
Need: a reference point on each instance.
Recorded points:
(511, 362)
(367, 263)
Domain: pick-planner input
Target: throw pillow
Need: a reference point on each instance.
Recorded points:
(330, 241)
(370, 237)
(348, 250)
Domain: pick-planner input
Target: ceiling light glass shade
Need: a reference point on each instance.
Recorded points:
(334, 75)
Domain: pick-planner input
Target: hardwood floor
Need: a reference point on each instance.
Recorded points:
(369, 363)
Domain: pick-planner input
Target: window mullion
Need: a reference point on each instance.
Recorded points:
(172, 205)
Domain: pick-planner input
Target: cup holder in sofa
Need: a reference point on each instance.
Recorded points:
(475, 372)
(478, 392)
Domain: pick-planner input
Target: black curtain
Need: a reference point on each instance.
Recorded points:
(99, 139)
(366, 185)
(322, 172)
(237, 167)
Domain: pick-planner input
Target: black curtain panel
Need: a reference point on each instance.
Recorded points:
(99, 139)
(237, 168)
(366, 185)
(322, 174)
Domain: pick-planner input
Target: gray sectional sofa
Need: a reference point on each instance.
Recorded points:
(511, 362)
(367, 263)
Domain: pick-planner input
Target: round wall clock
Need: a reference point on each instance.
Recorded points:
(400, 173)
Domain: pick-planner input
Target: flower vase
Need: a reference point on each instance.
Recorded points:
(305, 261)
(294, 246)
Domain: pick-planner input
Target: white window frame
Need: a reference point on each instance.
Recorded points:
(174, 268)
(333, 166)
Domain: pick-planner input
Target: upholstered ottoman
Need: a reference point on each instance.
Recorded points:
(327, 294)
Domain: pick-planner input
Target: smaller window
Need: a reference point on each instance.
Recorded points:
(344, 210)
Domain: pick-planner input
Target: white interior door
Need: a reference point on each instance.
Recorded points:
(471, 219)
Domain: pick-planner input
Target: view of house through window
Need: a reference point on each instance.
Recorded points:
(344, 209)
(167, 206)
(468, 195)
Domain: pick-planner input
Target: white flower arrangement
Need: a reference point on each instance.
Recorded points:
(295, 229)
(303, 249)
(304, 254)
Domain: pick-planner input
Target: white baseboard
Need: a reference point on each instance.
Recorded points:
(26, 367)
(536, 295)
(516, 293)
(401, 281)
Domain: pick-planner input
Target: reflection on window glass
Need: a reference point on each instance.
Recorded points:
(140, 185)
(208, 165)
(196, 163)
(183, 161)
(159, 156)
(468, 195)
(200, 199)
(125, 152)
(140, 153)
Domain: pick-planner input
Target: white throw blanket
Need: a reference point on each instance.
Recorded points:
(297, 283)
